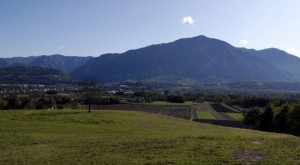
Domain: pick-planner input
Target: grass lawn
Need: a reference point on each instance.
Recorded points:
(166, 104)
(129, 137)
(204, 115)
(236, 116)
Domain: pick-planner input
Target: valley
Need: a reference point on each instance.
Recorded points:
(149, 82)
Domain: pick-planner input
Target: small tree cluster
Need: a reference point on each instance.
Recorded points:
(16, 102)
(175, 98)
(46, 103)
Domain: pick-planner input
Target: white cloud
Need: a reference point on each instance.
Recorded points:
(291, 50)
(61, 47)
(244, 42)
(187, 20)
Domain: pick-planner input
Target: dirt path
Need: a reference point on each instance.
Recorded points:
(208, 108)
(193, 112)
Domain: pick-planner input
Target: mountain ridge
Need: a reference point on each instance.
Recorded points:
(288, 63)
(202, 58)
(66, 64)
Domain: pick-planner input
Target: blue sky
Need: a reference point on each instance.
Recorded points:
(95, 27)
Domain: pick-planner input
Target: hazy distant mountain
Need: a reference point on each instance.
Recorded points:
(20, 60)
(198, 58)
(66, 64)
(20, 74)
(288, 63)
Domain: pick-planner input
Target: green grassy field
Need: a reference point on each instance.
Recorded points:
(204, 115)
(127, 137)
(166, 104)
(236, 116)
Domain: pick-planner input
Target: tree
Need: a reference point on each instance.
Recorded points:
(294, 122)
(28, 103)
(266, 119)
(42, 103)
(51, 103)
(90, 92)
(252, 116)
(281, 119)
(175, 98)
(2, 103)
(46, 103)
(14, 103)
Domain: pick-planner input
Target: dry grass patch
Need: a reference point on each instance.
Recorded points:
(250, 155)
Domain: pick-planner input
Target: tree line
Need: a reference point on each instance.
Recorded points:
(30, 102)
(282, 118)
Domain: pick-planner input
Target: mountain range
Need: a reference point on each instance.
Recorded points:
(199, 59)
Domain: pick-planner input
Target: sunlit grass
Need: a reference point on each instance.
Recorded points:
(236, 116)
(204, 115)
(128, 137)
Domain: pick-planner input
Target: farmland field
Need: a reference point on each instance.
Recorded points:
(204, 115)
(211, 109)
(180, 112)
(221, 108)
(236, 116)
(131, 137)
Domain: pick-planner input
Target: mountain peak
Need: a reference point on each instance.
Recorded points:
(273, 50)
(201, 36)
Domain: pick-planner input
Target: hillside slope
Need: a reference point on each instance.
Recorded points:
(3, 63)
(18, 74)
(123, 137)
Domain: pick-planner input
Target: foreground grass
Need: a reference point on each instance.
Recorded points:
(123, 137)
(166, 104)
(204, 115)
(236, 116)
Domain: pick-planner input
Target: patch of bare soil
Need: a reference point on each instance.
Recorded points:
(231, 108)
(162, 163)
(250, 155)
